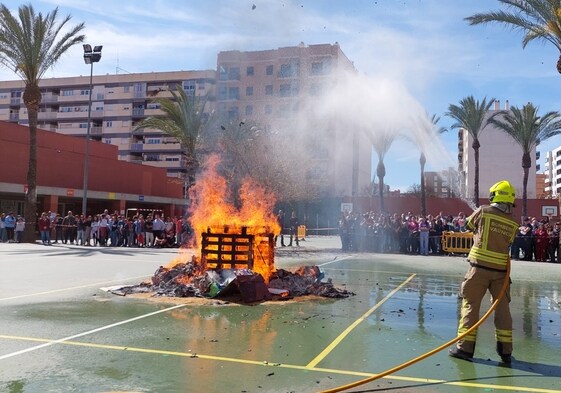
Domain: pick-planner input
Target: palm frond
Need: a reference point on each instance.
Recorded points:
(32, 43)
(537, 19)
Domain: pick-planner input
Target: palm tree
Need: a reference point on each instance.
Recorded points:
(382, 141)
(471, 115)
(528, 130)
(29, 46)
(428, 129)
(538, 19)
(185, 119)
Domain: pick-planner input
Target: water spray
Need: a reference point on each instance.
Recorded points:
(435, 350)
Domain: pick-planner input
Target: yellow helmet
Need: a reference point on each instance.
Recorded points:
(502, 191)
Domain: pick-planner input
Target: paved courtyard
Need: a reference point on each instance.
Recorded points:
(60, 332)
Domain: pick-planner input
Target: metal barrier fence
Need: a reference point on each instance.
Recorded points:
(457, 242)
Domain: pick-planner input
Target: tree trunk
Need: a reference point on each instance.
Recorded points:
(476, 146)
(526, 165)
(381, 172)
(423, 161)
(32, 99)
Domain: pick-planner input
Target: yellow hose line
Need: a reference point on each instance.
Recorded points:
(432, 352)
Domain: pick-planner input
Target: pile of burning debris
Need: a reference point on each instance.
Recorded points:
(193, 279)
(237, 249)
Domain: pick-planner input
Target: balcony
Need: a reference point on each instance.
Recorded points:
(138, 112)
(161, 147)
(96, 130)
(137, 147)
(98, 113)
(49, 98)
(14, 116)
(47, 115)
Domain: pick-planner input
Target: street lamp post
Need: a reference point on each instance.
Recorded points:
(91, 56)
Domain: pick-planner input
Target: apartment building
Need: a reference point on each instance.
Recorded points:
(269, 86)
(500, 157)
(119, 101)
(552, 172)
(441, 184)
(275, 86)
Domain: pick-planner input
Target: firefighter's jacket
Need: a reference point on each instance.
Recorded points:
(493, 232)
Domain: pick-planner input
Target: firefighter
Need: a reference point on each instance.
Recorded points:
(493, 231)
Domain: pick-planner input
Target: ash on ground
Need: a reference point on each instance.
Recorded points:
(191, 279)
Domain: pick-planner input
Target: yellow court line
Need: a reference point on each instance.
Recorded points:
(99, 329)
(287, 366)
(346, 332)
(71, 288)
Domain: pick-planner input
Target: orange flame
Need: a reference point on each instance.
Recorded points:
(210, 209)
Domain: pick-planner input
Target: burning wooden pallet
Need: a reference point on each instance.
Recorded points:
(239, 248)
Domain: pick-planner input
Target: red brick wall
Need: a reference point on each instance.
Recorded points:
(60, 160)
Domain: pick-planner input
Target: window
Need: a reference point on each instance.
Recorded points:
(68, 93)
(284, 90)
(153, 141)
(234, 74)
(228, 74)
(268, 109)
(222, 92)
(126, 89)
(222, 73)
(109, 124)
(322, 67)
(269, 90)
(234, 93)
(85, 92)
(107, 140)
(249, 110)
(249, 71)
(172, 158)
(152, 157)
(190, 88)
(316, 89)
(291, 69)
(284, 111)
(249, 91)
(269, 70)
(317, 68)
(233, 113)
(83, 125)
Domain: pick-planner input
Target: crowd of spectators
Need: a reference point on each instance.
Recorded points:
(103, 230)
(407, 233)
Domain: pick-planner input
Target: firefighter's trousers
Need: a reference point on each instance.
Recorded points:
(474, 287)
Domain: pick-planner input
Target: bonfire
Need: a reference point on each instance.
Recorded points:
(236, 250)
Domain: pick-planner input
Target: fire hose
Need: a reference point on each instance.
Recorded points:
(435, 350)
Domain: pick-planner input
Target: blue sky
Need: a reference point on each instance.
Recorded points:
(424, 44)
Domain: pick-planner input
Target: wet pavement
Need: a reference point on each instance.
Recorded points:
(60, 333)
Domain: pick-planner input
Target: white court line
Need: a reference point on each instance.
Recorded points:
(103, 283)
(61, 340)
(335, 260)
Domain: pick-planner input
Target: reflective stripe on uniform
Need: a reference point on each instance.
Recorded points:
(503, 336)
(493, 225)
(462, 328)
(481, 254)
